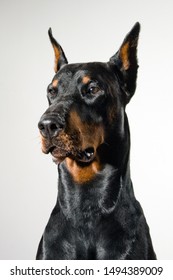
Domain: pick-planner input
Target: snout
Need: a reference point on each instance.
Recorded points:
(53, 138)
(70, 136)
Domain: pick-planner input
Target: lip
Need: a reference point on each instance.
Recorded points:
(59, 154)
(58, 160)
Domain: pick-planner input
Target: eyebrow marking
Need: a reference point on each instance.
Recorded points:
(85, 79)
(55, 83)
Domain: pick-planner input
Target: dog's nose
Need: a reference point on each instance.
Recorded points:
(48, 127)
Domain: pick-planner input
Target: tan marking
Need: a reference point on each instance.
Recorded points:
(125, 56)
(87, 135)
(85, 79)
(91, 135)
(82, 175)
(43, 144)
(66, 141)
(57, 56)
(55, 83)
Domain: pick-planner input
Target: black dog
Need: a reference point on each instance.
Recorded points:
(86, 130)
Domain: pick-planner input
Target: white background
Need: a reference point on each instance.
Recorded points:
(88, 31)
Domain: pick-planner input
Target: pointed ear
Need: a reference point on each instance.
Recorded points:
(126, 62)
(60, 58)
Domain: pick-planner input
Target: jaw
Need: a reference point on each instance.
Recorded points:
(82, 149)
(62, 151)
(83, 167)
(84, 157)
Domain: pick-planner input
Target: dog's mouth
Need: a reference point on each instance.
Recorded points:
(58, 154)
(87, 155)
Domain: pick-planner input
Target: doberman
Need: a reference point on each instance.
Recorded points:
(86, 130)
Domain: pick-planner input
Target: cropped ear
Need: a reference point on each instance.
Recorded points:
(126, 62)
(60, 58)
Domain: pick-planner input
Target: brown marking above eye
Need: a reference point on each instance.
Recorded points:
(85, 79)
(55, 83)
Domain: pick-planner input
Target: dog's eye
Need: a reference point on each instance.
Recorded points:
(52, 91)
(93, 89)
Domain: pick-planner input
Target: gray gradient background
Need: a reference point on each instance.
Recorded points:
(88, 31)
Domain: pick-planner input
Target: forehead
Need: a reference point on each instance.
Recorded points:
(84, 72)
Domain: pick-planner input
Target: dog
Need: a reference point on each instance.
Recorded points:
(85, 128)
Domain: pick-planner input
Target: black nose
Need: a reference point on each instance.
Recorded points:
(48, 127)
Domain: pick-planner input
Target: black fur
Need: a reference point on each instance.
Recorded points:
(86, 129)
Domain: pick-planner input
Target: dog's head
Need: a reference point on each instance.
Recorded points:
(87, 103)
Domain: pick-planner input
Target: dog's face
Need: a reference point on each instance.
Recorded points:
(82, 102)
(87, 103)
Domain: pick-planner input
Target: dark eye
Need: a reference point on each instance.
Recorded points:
(93, 89)
(52, 91)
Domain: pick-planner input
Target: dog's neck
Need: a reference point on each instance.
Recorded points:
(106, 186)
